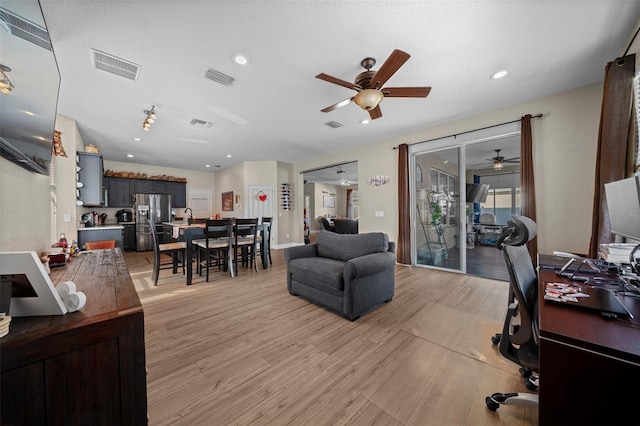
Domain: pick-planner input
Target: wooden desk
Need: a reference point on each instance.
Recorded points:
(82, 368)
(589, 366)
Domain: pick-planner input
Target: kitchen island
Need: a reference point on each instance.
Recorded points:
(101, 233)
(82, 368)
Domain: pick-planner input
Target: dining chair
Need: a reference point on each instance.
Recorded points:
(244, 242)
(100, 245)
(175, 249)
(265, 238)
(215, 248)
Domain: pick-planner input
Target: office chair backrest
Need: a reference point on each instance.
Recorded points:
(522, 274)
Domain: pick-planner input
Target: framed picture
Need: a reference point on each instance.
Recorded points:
(227, 201)
(329, 201)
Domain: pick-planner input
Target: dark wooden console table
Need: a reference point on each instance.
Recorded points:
(82, 368)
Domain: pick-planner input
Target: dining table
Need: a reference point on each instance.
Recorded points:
(182, 231)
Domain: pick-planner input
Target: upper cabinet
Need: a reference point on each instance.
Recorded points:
(121, 190)
(89, 179)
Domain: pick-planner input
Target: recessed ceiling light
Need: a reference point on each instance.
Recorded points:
(129, 155)
(365, 121)
(240, 59)
(137, 139)
(207, 165)
(498, 75)
(229, 155)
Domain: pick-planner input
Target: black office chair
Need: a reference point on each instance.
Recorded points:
(518, 341)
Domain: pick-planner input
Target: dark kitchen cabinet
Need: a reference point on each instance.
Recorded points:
(178, 192)
(129, 237)
(159, 187)
(141, 186)
(90, 176)
(120, 191)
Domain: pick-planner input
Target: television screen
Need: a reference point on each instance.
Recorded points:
(477, 193)
(29, 80)
(623, 207)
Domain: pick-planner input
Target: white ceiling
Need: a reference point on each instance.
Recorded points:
(272, 112)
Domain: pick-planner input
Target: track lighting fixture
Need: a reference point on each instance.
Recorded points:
(149, 119)
(6, 86)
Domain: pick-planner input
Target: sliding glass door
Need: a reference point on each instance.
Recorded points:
(437, 222)
(445, 178)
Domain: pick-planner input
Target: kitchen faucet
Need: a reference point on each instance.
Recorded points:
(190, 212)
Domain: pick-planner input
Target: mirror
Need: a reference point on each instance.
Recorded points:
(28, 111)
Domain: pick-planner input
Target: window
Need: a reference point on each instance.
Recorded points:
(503, 199)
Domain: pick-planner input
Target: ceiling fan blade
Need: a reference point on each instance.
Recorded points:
(390, 66)
(339, 82)
(337, 105)
(375, 113)
(406, 92)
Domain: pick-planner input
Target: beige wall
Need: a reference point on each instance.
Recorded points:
(240, 176)
(564, 153)
(25, 209)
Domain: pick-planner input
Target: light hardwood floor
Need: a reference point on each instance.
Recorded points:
(244, 351)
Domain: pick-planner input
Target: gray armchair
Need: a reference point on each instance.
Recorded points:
(347, 273)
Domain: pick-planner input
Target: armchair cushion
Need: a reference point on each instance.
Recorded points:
(345, 247)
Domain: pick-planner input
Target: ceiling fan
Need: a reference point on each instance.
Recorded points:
(369, 84)
(499, 161)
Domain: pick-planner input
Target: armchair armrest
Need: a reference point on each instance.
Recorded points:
(368, 265)
(296, 252)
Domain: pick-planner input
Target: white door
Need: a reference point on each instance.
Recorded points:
(261, 204)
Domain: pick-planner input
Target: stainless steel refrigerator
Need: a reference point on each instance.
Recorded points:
(147, 207)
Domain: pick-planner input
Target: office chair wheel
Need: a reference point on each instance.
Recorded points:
(491, 404)
(525, 372)
(531, 386)
(495, 339)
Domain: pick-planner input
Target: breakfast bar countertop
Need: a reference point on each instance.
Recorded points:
(114, 226)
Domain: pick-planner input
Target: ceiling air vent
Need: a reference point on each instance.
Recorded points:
(20, 27)
(114, 65)
(219, 77)
(334, 124)
(201, 123)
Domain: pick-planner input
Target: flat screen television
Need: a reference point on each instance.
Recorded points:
(623, 207)
(28, 111)
(477, 192)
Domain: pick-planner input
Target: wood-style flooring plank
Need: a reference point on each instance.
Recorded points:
(244, 351)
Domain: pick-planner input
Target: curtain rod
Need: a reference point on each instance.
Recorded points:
(470, 131)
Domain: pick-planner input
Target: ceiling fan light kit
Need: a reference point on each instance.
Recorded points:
(368, 99)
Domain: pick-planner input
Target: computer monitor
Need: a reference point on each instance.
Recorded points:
(623, 207)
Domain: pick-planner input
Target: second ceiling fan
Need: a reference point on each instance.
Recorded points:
(369, 84)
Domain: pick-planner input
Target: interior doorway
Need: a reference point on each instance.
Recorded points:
(330, 192)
